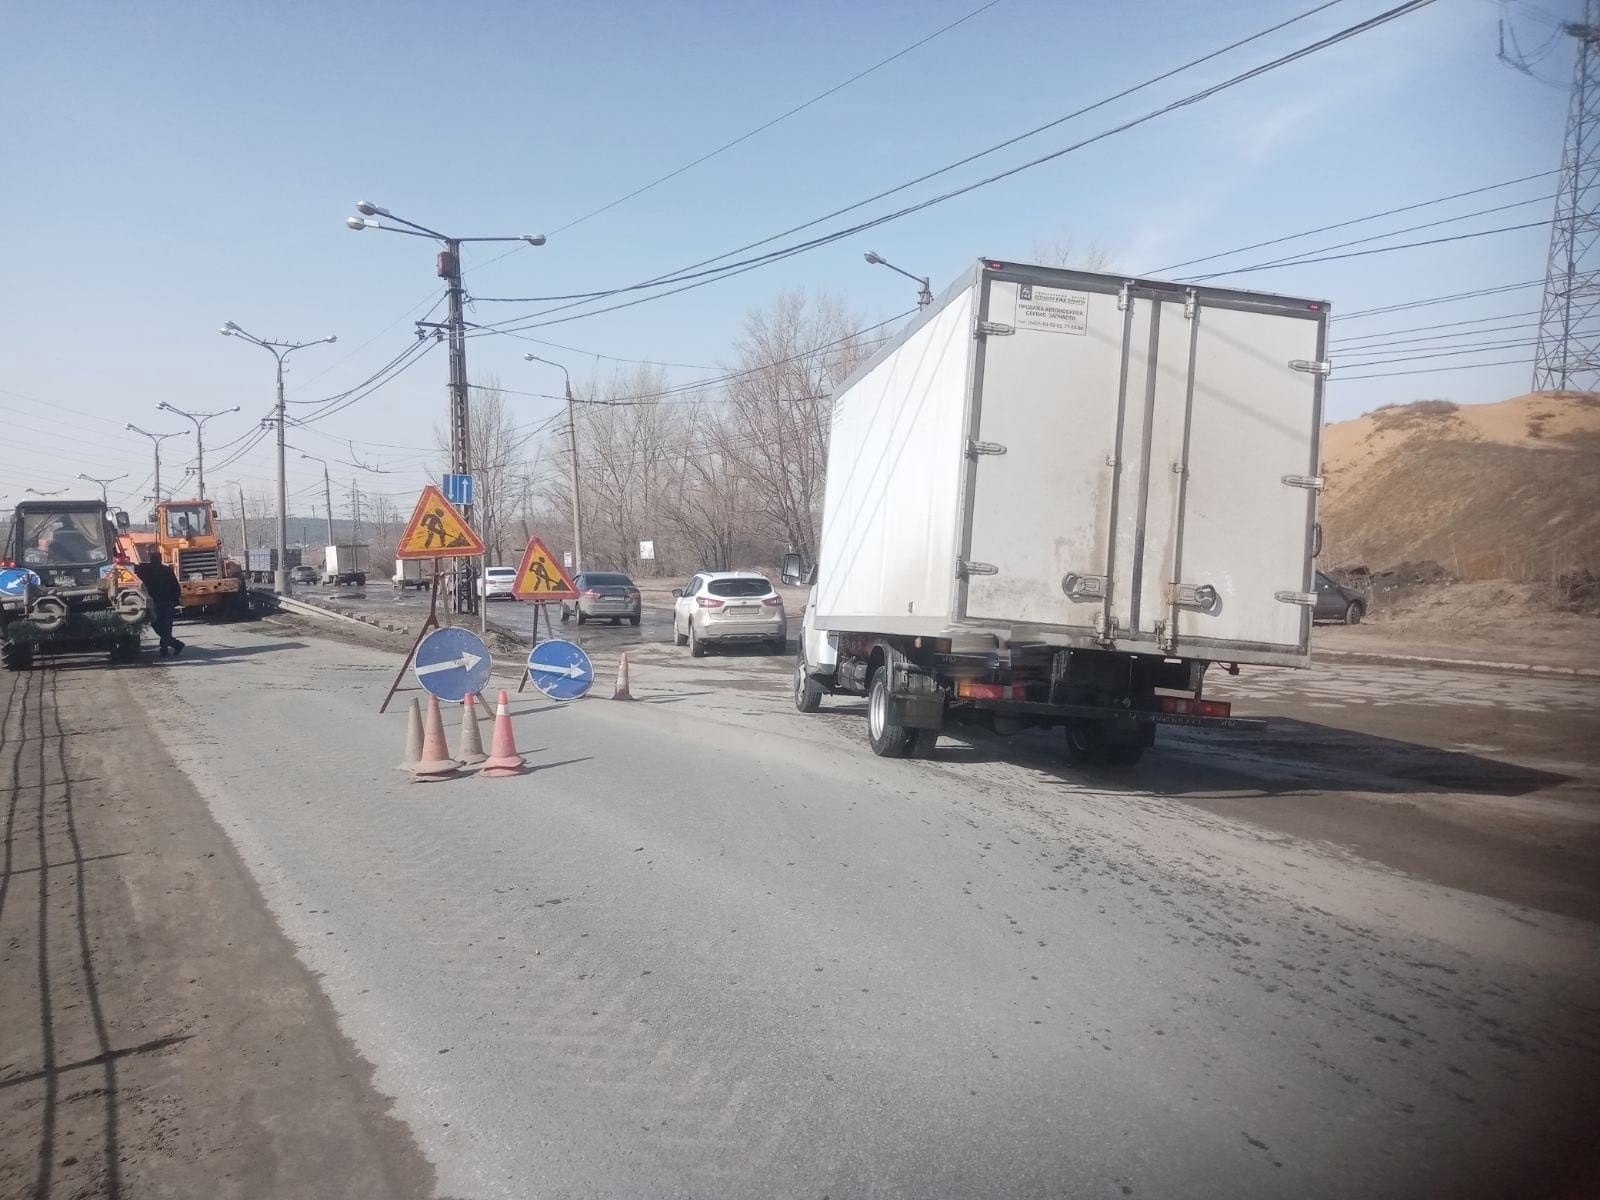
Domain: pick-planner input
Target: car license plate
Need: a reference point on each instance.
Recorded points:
(742, 610)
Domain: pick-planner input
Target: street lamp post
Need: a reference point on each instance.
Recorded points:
(572, 445)
(57, 492)
(156, 439)
(199, 419)
(449, 269)
(327, 491)
(924, 297)
(104, 484)
(279, 351)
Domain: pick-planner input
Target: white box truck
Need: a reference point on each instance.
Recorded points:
(345, 565)
(1057, 498)
(412, 573)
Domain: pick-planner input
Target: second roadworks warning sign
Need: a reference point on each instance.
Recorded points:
(437, 530)
(541, 577)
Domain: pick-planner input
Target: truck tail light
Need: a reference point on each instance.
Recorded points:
(1196, 708)
(969, 690)
(708, 602)
(773, 601)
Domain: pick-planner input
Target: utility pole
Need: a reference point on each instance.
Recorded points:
(449, 269)
(279, 351)
(244, 528)
(572, 446)
(355, 512)
(1567, 353)
(156, 439)
(199, 420)
(104, 499)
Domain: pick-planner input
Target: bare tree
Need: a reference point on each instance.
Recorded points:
(778, 409)
(1064, 252)
(623, 433)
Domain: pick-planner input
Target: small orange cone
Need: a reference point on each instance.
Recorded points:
(504, 760)
(469, 749)
(622, 692)
(413, 737)
(435, 762)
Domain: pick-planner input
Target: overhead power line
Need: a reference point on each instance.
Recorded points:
(1299, 262)
(1499, 362)
(1361, 337)
(766, 125)
(1388, 212)
(1429, 301)
(697, 277)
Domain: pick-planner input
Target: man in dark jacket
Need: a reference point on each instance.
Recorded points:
(165, 596)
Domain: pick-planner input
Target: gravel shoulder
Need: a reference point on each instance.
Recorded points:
(158, 1036)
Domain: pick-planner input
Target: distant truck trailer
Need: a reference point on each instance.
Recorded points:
(261, 563)
(345, 565)
(1057, 498)
(412, 573)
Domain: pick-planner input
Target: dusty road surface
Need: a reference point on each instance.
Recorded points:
(157, 1035)
(710, 947)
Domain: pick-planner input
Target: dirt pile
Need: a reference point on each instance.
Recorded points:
(1488, 491)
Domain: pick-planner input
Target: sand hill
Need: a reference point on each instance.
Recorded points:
(1489, 491)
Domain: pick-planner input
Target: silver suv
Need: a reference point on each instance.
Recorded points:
(728, 606)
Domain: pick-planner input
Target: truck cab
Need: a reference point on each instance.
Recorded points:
(187, 541)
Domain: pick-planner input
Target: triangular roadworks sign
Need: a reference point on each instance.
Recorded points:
(541, 577)
(437, 530)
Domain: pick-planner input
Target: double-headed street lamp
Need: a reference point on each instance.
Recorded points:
(279, 351)
(57, 492)
(924, 297)
(156, 440)
(572, 443)
(199, 419)
(104, 484)
(449, 269)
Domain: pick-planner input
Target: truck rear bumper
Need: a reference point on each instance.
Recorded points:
(1074, 712)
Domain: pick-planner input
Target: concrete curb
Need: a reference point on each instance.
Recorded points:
(1471, 664)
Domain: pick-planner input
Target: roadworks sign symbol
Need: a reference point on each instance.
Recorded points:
(437, 530)
(540, 577)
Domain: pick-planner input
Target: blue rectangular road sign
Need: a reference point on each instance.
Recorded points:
(458, 490)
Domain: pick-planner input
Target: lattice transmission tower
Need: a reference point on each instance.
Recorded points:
(1567, 355)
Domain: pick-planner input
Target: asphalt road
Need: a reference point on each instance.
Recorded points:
(711, 947)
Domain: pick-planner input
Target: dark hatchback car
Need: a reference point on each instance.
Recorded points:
(1335, 602)
(603, 596)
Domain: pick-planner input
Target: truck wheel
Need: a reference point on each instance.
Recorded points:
(1088, 746)
(807, 691)
(16, 656)
(697, 645)
(887, 739)
(1353, 613)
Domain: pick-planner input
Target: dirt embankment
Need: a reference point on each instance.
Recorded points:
(1489, 491)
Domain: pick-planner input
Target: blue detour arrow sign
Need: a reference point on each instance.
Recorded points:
(452, 662)
(561, 670)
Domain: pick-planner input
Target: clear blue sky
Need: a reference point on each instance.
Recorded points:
(171, 166)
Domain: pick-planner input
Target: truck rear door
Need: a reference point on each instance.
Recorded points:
(1141, 464)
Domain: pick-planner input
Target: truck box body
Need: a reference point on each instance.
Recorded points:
(1074, 459)
(345, 561)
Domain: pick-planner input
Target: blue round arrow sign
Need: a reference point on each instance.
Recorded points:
(452, 662)
(561, 670)
(14, 581)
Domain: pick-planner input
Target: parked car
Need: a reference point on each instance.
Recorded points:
(305, 574)
(1335, 602)
(728, 606)
(603, 595)
(496, 583)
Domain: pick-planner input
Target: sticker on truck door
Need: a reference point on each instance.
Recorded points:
(1052, 310)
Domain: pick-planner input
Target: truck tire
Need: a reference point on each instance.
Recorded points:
(887, 739)
(16, 656)
(807, 691)
(1353, 613)
(1088, 746)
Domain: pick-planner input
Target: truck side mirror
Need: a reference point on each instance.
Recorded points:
(795, 572)
(122, 519)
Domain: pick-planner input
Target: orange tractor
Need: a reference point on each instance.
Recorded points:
(185, 538)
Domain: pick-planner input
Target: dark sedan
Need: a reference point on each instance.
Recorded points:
(603, 596)
(1335, 602)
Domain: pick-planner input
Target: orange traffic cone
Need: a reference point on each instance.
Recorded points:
(622, 692)
(413, 737)
(504, 760)
(470, 748)
(435, 762)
